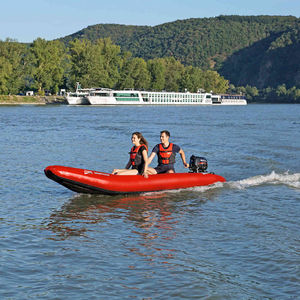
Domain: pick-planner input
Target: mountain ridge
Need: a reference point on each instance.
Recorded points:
(238, 47)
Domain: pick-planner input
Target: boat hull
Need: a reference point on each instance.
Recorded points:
(94, 182)
(77, 100)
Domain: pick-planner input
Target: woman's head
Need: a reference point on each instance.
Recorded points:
(137, 135)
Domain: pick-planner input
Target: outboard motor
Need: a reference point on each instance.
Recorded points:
(198, 164)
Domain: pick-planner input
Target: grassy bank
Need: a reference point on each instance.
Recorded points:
(38, 100)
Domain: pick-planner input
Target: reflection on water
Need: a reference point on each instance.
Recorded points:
(147, 223)
(145, 211)
(151, 217)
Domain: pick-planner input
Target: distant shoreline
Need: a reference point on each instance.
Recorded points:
(31, 100)
(48, 100)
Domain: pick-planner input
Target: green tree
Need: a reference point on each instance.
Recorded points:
(157, 71)
(281, 91)
(192, 79)
(96, 64)
(294, 93)
(174, 71)
(5, 73)
(80, 62)
(134, 74)
(251, 92)
(213, 81)
(112, 61)
(48, 58)
(13, 66)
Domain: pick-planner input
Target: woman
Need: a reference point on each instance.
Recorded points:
(138, 156)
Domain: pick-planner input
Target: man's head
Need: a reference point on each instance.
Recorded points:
(164, 136)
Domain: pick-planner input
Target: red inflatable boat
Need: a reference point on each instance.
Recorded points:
(94, 182)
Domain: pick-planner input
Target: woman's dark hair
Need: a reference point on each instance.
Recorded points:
(141, 138)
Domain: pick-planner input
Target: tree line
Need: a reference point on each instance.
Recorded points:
(51, 65)
(279, 94)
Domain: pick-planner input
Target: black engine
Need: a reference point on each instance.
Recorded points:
(198, 164)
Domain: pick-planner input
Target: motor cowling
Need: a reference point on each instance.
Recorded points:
(198, 164)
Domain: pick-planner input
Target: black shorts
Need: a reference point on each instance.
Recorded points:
(164, 168)
(140, 169)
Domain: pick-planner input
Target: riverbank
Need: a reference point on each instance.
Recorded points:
(33, 100)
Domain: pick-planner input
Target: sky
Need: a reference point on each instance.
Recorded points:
(26, 20)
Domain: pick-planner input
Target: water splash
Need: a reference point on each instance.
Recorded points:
(291, 180)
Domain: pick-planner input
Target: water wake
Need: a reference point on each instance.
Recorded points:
(291, 180)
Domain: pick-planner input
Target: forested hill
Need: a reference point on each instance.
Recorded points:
(257, 50)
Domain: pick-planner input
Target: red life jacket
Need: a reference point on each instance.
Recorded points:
(166, 156)
(135, 158)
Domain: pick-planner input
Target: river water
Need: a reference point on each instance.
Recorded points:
(236, 240)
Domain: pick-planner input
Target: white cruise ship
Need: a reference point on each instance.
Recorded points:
(229, 99)
(129, 97)
(79, 97)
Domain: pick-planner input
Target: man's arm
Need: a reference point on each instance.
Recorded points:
(148, 162)
(182, 154)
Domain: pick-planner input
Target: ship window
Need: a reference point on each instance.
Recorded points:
(102, 94)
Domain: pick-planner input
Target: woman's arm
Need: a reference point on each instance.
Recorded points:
(128, 164)
(145, 156)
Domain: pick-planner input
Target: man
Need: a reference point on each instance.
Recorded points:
(166, 153)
